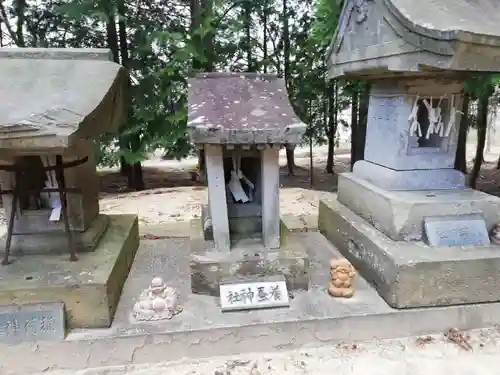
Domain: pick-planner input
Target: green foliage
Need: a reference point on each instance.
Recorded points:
(167, 42)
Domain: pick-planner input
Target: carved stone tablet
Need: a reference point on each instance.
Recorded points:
(456, 230)
(32, 322)
(249, 295)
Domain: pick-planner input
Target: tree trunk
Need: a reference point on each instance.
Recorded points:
(290, 159)
(354, 126)
(247, 17)
(265, 37)
(207, 10)
(20, 7)
(135, 173)
(460, 158)
(332, 124)
(290, 152)
(362, 122)
(482, 123)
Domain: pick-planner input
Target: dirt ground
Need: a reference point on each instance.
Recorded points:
(171, 195)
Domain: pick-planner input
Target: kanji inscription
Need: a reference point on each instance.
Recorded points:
(253, 295)
(32, 322)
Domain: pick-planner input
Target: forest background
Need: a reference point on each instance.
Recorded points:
(163, 42)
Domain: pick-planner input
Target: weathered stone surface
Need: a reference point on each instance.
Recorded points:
(376, 38)
(57, 242)
(411, 179)
(202, 330)
(90, 288)
(248, 258)
(395, 157)
(32, 322)
(93, 101)
(412, 274)
(456, 230)
(241, 108)
(400, 214)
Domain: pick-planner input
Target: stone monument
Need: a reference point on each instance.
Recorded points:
(404, 217)
(241, 120)
(54, 102)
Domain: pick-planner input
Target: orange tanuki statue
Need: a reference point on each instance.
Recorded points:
(342, 273)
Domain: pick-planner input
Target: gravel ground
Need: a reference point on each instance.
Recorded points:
(410, 356)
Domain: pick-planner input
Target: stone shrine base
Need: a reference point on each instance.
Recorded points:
(90, 287)
(57, 242)
(412, 274)
(247, 260)
(399, 214)
(202, 330)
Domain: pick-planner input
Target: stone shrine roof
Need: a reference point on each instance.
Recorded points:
(378, 37)
(51, 96)
(241, 108)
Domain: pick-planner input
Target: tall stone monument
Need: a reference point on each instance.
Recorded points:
(404, 217)
(53, 103)
(241, 120)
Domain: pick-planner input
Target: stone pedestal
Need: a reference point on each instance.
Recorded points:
(248, 259)
(400, 214)
(89, 288)
(410, 273)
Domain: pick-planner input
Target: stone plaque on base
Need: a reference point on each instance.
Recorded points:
(249, 295)
(456, 231)
(32, 322)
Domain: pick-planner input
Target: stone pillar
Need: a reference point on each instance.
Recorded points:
(270, 197)
(217, 196)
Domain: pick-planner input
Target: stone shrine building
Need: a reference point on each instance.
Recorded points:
(241, 120)
(54, 103)
(404, 216)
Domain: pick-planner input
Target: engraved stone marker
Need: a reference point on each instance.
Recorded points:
(32, 322)
(456, 230)
(243, 295)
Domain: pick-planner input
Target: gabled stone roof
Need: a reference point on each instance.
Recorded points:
(48, 97)
(381, 37)
(241, 108)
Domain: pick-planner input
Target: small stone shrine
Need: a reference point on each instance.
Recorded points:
(241, 120)
(54, 102)
(404, 217)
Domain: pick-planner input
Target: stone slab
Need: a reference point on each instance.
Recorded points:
(253, 293)
(32, 322)
(400, 214)
(412, 274)
(456, 230)
(202, 330)
(57, 242)
(90, 288)
(299, 223)
(414, 179)
(174, 229)
(247, 258)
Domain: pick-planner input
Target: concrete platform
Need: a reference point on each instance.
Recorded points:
(90, 288)
(400, 214)
(202, 330)
(248, 258)
(412, 274)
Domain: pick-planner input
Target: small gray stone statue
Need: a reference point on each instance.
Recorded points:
(158, 302)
